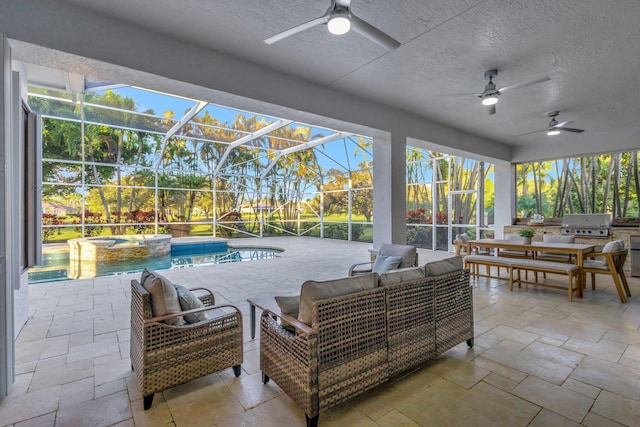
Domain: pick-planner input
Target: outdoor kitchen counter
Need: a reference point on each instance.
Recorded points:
(615, 233)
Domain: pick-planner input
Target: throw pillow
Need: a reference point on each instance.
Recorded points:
(311, 291)
(444, 266)
(164, 298)
(385, 263)
(407, 252)
(403, 275)
(289, 305)
(189, 301)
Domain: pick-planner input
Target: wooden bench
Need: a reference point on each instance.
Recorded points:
(570, 270)
(516, 265)
(472, 262)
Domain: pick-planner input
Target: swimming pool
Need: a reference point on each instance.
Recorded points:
(55, 266)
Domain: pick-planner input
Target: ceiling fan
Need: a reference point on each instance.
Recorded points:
(339, 20)
(554, 127)
(491, 93)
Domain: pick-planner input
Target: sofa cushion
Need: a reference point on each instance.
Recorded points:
(189, 301)
(384, 263)
(289, 305)
(312, 291)
(401, 275)
(408, 253)
(444, 266)
(164, 298)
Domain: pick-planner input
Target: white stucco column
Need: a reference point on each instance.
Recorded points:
(7, 265)
(505, 195)
(389, 189)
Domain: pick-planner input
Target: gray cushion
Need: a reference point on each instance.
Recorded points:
(401, 275)
(312, 291)
(554, 238)
(444, 266)
(408, 253)
(462, 238)
(289, 305)
(613, 246)
(189, 301)
(164, 298)
(616, 245)
(385, 263)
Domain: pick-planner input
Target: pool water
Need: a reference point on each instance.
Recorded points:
(55, 266)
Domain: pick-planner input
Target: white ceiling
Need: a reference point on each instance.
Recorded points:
(589, 48)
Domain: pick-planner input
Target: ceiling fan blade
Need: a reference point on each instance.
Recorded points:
(523, 84)
(491, 109)
(570, 130)
(460, 94)
(297, 29)
(344, 3)
(373, 33)
(559, 125)
(529, 133)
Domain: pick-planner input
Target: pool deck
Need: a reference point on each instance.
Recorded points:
(538, 359)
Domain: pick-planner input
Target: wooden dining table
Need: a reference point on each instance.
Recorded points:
(578, 250)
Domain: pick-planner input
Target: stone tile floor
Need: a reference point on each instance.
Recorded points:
(538, 359)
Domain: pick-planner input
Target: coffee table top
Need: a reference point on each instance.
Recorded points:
(268, 303)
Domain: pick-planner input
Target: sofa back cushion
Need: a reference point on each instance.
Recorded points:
(401, 275)
(408, 253)
(164, 297)
(443, 266)
(312, 291)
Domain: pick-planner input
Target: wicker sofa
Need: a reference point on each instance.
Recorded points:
(359, 339)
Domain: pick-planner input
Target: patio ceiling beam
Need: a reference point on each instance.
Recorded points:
(250, 137)
(175, 128)
(304, 146)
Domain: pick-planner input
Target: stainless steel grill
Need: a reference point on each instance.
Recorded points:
(586, 225)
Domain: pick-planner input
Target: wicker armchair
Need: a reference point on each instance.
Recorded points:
(163, 356)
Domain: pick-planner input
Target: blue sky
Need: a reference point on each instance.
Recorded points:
(159, 103)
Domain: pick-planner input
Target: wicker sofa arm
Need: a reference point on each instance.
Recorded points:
(291, 360)
(301, 328)
(353, 271)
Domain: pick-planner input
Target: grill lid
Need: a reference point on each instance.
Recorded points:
(586, 220)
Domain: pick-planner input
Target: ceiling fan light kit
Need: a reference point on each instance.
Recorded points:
(490, 100)
(491, 93)
(339, 22)
(555, 128)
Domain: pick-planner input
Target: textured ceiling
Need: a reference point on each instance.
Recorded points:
(589, 48)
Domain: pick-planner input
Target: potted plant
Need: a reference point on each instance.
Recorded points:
(527, 234)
